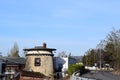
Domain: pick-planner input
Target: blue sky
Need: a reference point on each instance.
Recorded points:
(73, 26)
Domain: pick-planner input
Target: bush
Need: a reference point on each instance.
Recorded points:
(76, 67)
(73, 68)
(83, 70)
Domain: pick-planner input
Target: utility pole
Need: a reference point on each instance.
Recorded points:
(100, 47)
(100, 59)
(86, 59)
(94, 56)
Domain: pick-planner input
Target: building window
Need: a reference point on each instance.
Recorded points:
(37, 62)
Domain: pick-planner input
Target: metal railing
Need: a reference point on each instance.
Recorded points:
(75, 77)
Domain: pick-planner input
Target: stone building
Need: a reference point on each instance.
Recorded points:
(10, 67)
(40, 59)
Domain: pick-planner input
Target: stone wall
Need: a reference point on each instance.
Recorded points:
(46, 66)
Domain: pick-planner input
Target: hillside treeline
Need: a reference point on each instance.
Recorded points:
(106, 52)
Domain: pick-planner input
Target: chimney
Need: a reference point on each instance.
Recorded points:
(44, 45)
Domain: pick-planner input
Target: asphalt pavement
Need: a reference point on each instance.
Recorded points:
(101, 75)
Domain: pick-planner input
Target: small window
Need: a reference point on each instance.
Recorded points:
(37, 62)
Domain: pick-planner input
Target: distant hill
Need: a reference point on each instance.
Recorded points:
(78, 58)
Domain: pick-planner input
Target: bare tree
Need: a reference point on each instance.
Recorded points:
(113, 43)
(62, 54)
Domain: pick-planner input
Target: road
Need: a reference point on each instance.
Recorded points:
(101, 75)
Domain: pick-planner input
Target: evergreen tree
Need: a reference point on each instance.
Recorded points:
(14, 52)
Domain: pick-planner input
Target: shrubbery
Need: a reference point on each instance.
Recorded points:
(76, 67)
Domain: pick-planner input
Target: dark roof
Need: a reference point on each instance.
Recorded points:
(32, 74)
(13, 60)
(39, 48)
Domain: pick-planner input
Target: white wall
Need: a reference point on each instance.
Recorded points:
(64, 61)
